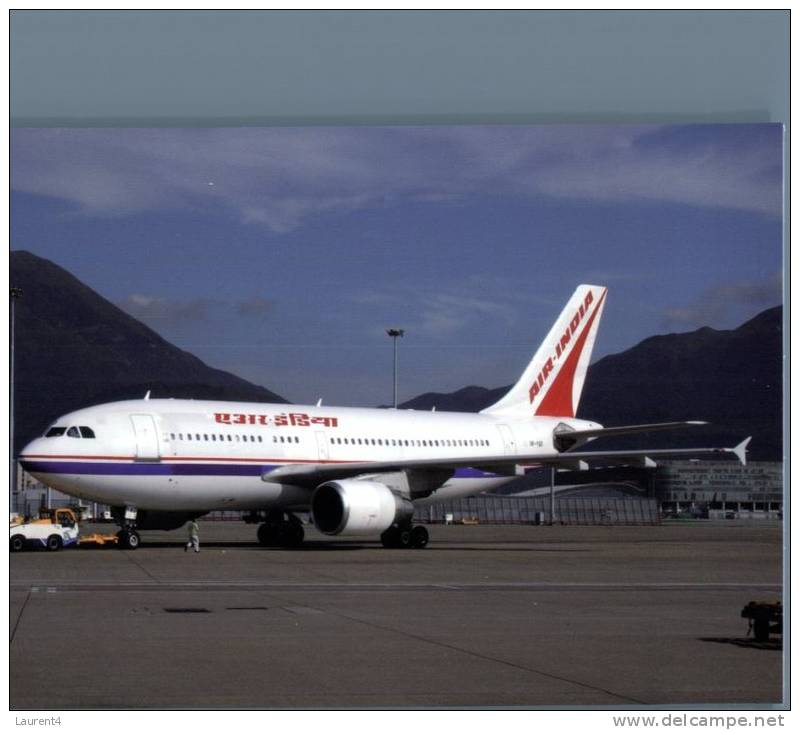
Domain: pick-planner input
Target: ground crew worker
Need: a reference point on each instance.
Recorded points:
(194, 537)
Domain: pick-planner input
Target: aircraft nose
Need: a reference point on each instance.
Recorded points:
(37, 447)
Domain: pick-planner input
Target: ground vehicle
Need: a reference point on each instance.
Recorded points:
(52, 530)
(765, 618)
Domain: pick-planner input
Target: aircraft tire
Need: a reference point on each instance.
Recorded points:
(128, 539)
(269, 535)
(419, 537)
(404, 538)
(293, 535)
(389, 538)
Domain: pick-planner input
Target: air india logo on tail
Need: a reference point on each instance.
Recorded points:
(561, 347)
(551, 385)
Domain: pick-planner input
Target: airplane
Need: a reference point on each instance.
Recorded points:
(355, 471)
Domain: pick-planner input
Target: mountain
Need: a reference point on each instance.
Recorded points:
(471, 399)
(731, 378)
(73, 348)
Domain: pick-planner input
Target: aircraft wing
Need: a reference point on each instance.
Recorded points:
(311, 475)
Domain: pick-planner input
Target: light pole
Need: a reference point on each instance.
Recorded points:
(15, 294)
(394, 334)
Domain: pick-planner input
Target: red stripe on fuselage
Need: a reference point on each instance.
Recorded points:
(266, 459)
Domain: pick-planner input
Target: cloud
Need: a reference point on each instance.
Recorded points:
(160, 312)
(726, 303)
(280, 178)
(447, 313)
(437, 313)
(163, 312)
(255, 307)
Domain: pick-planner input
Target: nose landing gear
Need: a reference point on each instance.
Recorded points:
(127, 537)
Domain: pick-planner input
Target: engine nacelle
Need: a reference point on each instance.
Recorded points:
(355, 507)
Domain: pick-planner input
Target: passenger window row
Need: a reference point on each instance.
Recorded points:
(237, 438)
(338, 440)
(409, 442)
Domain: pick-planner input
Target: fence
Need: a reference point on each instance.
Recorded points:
(485, 509)
(29, 502)
(536, 510)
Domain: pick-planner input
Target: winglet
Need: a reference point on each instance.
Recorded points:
(741, 450)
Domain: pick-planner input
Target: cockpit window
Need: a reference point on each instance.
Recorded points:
(86, 432)
(55, 431)
(73, 432)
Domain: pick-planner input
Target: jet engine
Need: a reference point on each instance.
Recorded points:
(356, 507)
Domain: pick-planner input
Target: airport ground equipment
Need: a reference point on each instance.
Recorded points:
(52, 530)
(764, 618)
(98, 539)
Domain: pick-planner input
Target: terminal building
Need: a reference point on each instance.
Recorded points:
(720, 486)
(627, 495)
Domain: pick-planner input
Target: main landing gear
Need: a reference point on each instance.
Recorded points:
(405, 536)
(281, 529)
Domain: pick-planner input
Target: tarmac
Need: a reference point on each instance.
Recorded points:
(486, 616)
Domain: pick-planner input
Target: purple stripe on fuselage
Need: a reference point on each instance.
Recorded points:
(143, 468)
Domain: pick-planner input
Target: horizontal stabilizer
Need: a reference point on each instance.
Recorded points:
(642, 428)
(644, 457)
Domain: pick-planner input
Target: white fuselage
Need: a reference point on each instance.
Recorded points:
(186, 455)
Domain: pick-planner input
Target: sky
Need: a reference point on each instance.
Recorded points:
(283, 254)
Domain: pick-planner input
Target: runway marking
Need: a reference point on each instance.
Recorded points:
(469, 652)
(19, 618)
(141, 567)
(155, 585)
(303, 610)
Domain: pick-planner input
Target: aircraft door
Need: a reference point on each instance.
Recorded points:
(146, 437)
(509, 443)
(322, 445)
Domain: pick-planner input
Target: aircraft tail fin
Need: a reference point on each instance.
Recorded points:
(552, 383)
